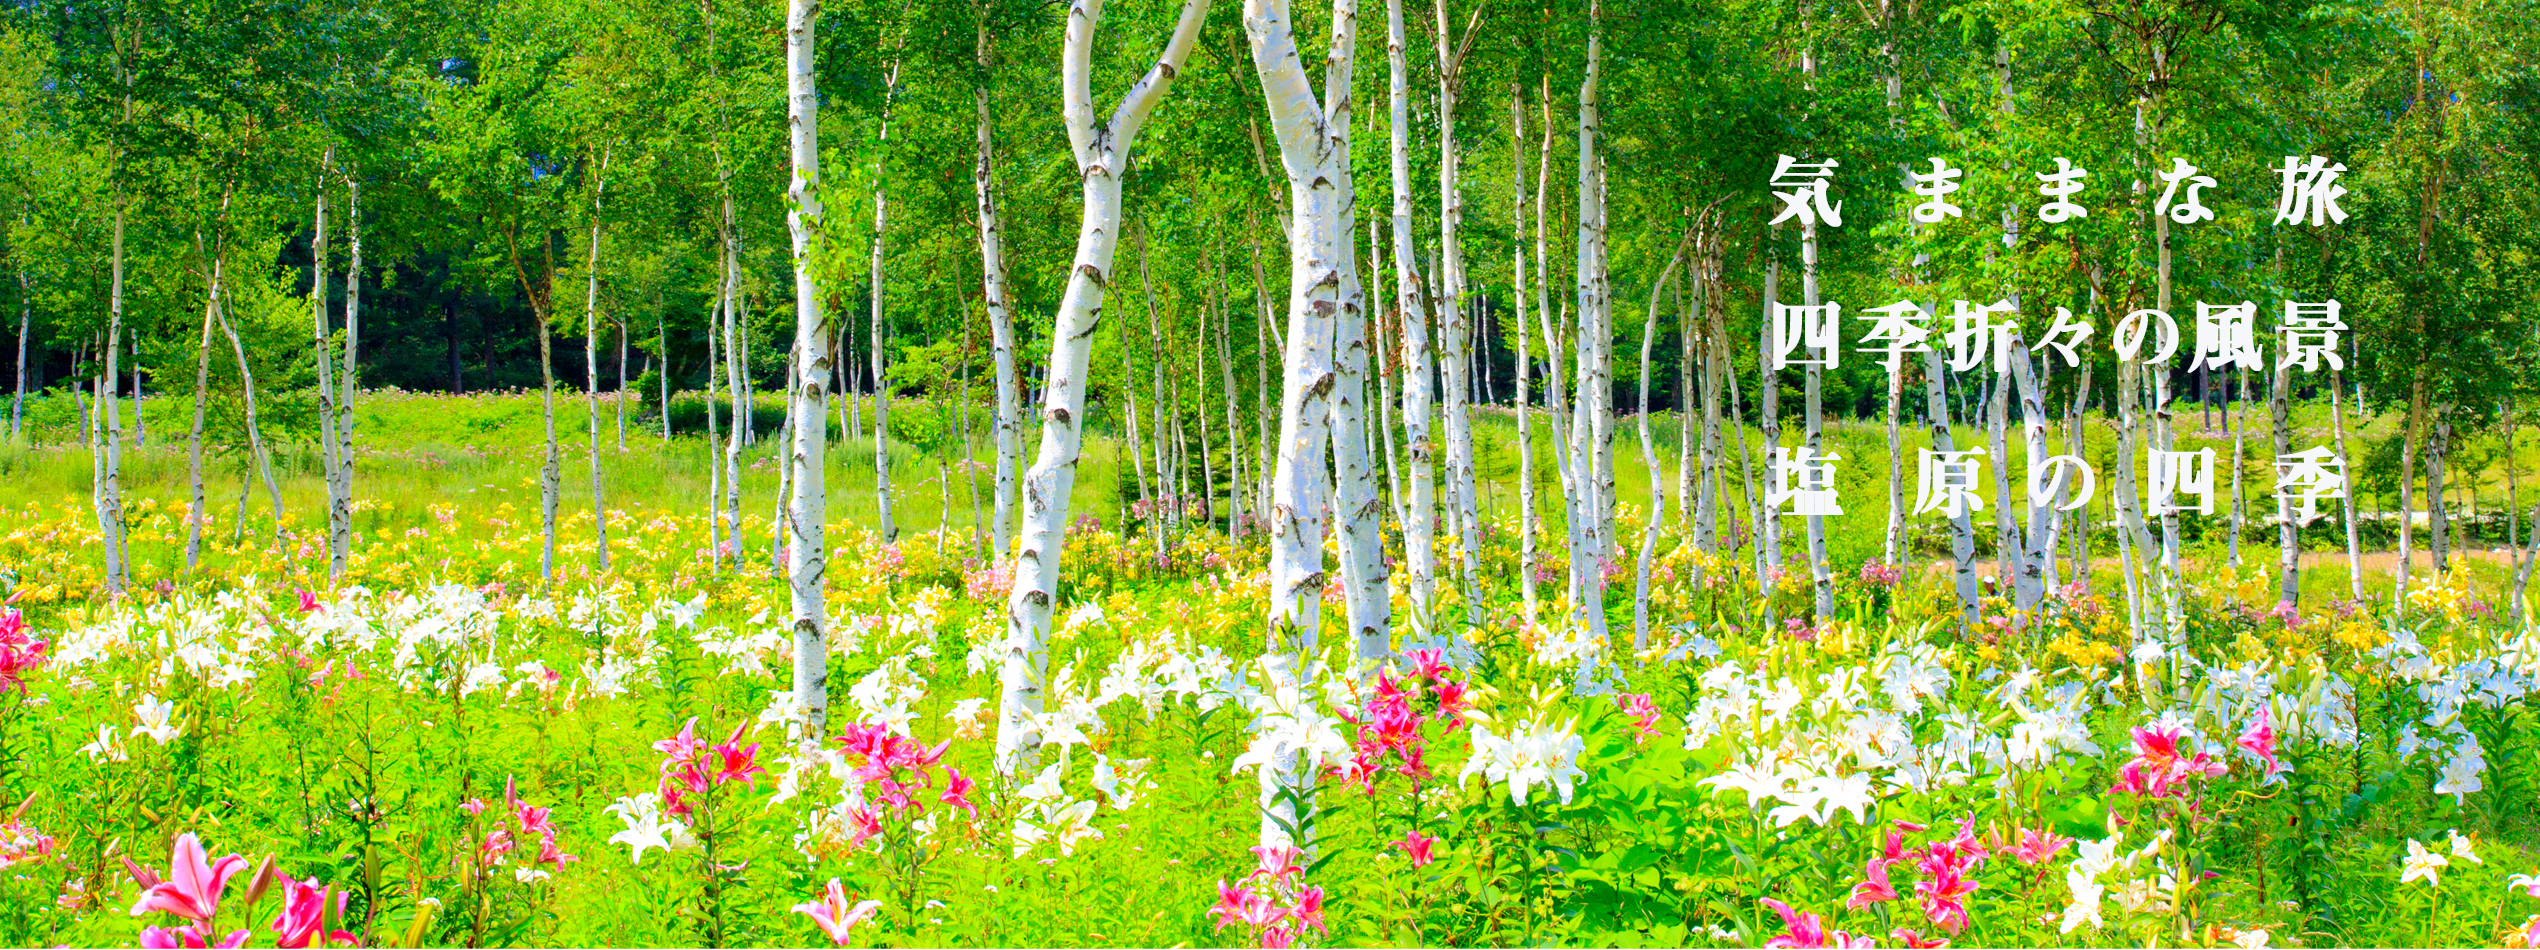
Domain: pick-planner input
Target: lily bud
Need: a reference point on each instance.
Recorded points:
(259, 882)
(140, 875)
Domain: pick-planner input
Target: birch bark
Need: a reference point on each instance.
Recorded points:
(329, 455)
(1000, 316)
(1590, 424)
(1100, 150)
(881, 382)
(1419, 520)
(350, 376)
(807, 515)
(1455, 325)
(591, 366)
(198, 509)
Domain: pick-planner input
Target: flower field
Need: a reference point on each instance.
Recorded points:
(441, 751)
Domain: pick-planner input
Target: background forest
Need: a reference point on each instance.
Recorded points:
(1400, 386)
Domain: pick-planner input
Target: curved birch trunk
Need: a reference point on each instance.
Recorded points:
(1101, 153)
(1649, 451)
(255, 435)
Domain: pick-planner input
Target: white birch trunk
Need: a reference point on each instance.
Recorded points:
(807, 514)
(328, 454)
(2354, 547)
(1962, 540)
(1588, 427)
(349, 376)
(1649, 453)
(197, 509)
(1000, 319)
(1313, 139)
(1455, 326)
(255, 435)
(1101, 152)
(1419, 518)
(881, 384)
(1531, 597)
(549, 477)
(591, 367)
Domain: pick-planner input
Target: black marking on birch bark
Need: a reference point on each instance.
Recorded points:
(1037, 598)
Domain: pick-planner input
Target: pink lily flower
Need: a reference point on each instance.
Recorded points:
(303, 919)
(1944, 896)
(681, 747)
(194, 883)
(187, 938)
(862, 823)
(1421, 848)
(957, 790)
(2259, 739)
(1278, 861)
(1644, 715)
(1914, 940)
(1309, 909)
(309, 603)
(737, 763)
(1807, 932)
(1873, 890)
(1232, 904)
(2038, 847)
(832, 913)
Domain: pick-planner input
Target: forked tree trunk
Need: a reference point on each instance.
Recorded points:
(255, 435)
(197, 510)
(1324, 304)
(1101, 152)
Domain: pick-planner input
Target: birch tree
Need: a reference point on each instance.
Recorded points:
(1455, 326)
(807, 509)
(1419, 521)
(1591, 418)
(1000, 316)
(1324, 305)
(1100, 150)
(591, 363)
